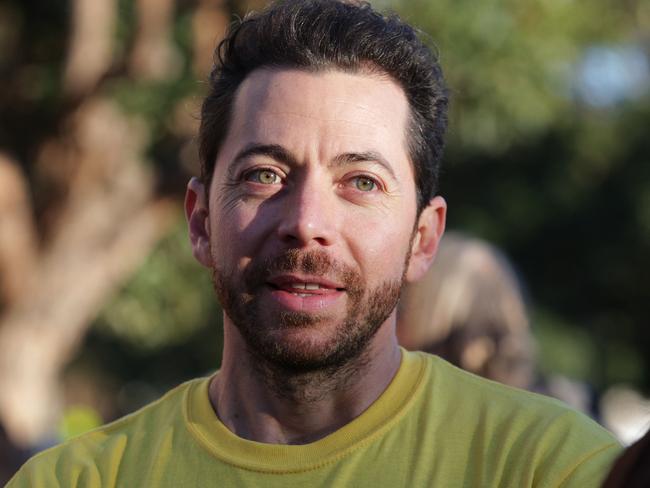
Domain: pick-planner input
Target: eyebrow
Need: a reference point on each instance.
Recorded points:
(360, 157)
(273, 151)
(281, 154)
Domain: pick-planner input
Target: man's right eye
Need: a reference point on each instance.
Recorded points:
(263, 176)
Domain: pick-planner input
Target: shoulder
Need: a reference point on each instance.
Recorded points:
(455, 384)
(64, 464)
(519, 427)
(502, 404)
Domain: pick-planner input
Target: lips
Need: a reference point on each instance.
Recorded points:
(303, 285)
(304, 293)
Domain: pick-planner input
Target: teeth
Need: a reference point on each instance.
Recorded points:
(305, 286)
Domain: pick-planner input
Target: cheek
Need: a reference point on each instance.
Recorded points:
(239, 231)
(381, 249)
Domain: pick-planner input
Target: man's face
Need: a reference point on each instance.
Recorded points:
(311, 214)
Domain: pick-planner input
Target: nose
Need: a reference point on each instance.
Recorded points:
(309, 214)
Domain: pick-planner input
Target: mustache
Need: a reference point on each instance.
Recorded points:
(312, 262)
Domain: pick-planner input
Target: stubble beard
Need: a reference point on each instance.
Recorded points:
(301, 370)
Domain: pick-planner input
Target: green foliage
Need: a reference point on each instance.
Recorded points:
(564, 349)
(508, 63)
(125, 28)
(167, 300)
(154, 101)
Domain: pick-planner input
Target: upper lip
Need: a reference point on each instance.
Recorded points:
(285, 280)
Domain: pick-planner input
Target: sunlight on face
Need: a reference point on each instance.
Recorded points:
(314, 169)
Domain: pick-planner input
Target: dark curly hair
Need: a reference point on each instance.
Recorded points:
(317, 35)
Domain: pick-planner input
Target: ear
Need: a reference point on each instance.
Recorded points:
(196, 213)
(429, 230)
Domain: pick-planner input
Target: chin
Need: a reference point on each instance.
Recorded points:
(306, 348)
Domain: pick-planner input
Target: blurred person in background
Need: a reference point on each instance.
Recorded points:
(470, 309)
(321, 138)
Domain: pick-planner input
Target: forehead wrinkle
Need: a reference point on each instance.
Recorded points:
(315, 117)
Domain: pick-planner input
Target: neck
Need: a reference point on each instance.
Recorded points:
(264, 403)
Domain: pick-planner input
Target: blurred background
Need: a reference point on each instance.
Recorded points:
(102, 307)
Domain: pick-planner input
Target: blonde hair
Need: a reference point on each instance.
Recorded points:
(469, 309)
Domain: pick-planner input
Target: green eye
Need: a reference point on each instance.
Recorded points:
(264, 176)
(364, 184)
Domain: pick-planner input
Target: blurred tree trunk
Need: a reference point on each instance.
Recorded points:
(17, 233)
(154, 56)
(91, 44)
(109, 223)
(103, 216)
(209, 24)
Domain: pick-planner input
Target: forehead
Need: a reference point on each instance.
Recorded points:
(319, 113)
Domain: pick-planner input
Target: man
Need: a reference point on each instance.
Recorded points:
(320, 142)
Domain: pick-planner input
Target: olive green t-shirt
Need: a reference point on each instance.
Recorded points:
(434, 425)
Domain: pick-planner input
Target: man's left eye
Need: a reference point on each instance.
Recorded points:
(263, 176)
(363, 183)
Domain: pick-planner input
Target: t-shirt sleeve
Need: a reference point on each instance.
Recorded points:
(67, 465)
(593, 469)
(577, 452)
(35, 473)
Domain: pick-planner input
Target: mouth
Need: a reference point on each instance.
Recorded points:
(304, 286)
(300, 291)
